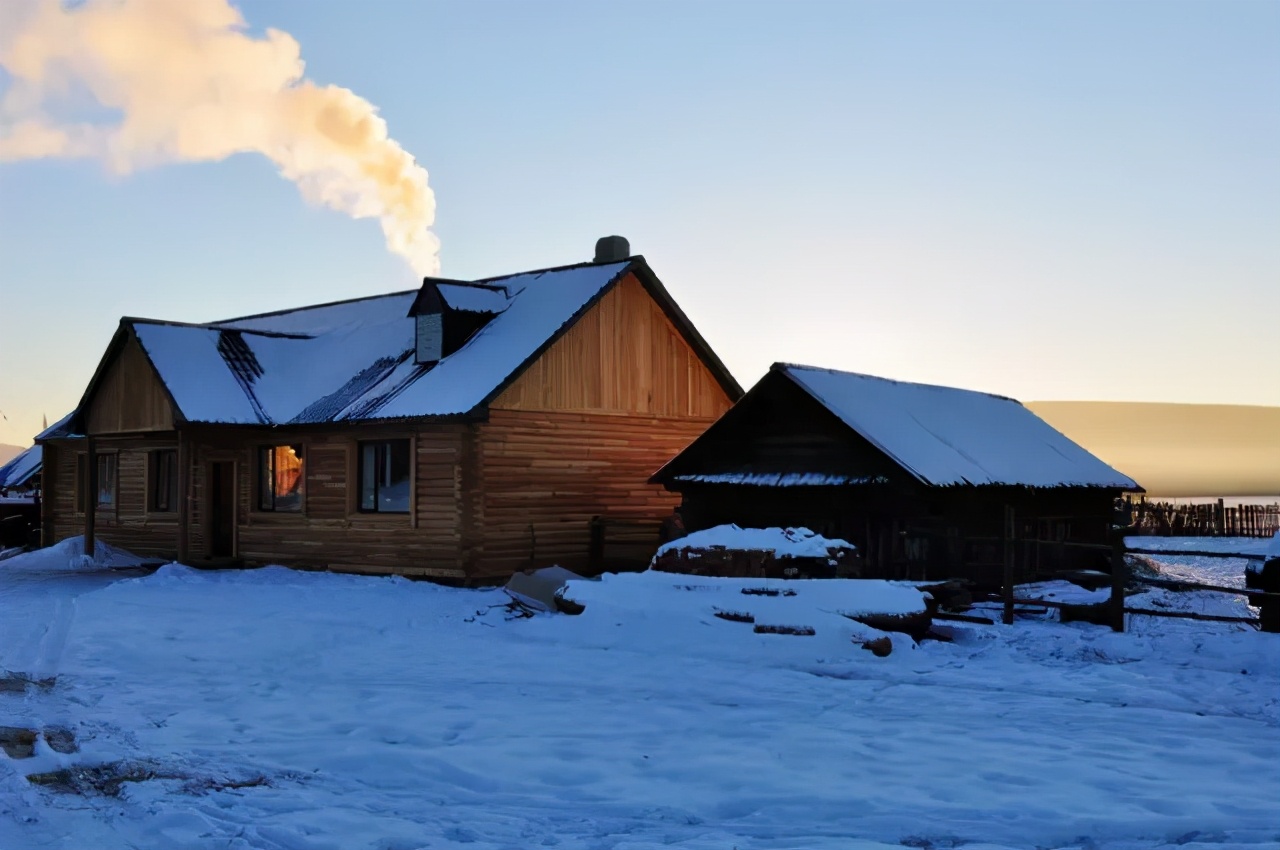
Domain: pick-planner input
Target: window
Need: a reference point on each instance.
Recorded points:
(106, 492)
(384, 476)
(280, 478)
(164, 481)
(106, 481)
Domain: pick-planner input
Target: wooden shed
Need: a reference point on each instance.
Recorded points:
(927, 481)
(460, 431)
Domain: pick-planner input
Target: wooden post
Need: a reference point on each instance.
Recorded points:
(185, 497)
(46, 478)
(90, 497)
(1119, 577)
(1008, 565)
(1220, 520)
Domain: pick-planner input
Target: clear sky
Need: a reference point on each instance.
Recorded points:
(1048, 200)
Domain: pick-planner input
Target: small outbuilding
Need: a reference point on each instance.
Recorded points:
(927, 481)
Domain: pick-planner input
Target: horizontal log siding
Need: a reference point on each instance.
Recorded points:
(129, 524)
(546, 474)
(332, 534)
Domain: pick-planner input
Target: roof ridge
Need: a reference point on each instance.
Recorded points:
(783, 367)
(213, 326)
(565, 268)
(288, 310)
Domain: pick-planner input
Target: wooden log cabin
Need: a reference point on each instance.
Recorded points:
(928, 482)
(459, 432)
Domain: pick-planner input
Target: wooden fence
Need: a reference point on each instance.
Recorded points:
(1213, 519)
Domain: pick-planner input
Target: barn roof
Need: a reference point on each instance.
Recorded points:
(354, 360)
(947, 436)
(21, 470)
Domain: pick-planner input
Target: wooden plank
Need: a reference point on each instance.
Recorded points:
(623, 355)
(129, 396)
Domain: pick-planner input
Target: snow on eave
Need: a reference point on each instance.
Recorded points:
(961, 437)
(780, 479)
(22, 468)
(59, 429)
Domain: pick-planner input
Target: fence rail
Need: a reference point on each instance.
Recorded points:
(1212, 519)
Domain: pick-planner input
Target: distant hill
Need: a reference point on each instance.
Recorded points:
(8, 452)
(1178, 449)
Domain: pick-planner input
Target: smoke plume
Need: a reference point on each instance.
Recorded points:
(141, 83)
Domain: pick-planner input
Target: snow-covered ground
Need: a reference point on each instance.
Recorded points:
(378, 713)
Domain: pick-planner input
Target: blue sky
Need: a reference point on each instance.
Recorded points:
(1046, 200)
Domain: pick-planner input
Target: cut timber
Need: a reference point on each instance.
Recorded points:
(762, 629)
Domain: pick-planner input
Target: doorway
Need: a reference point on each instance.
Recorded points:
(222, 509)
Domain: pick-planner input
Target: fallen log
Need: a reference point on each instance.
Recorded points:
(1190, 615)
(964, 618)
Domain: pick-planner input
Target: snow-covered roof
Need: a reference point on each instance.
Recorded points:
(21, 470)
(945, 436)
(354, 360)
(778, 479)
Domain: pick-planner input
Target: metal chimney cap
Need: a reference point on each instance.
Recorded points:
(612, 249)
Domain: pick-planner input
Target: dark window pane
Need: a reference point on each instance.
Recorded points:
(393, 488)
(384, 476)
(369, 476)
(106, 480)
(164, 481)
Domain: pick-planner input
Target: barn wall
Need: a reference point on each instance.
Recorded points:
(624, 355)
(544, 475)
(129, 396)
(129, 524)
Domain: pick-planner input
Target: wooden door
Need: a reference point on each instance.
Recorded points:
(222, 509)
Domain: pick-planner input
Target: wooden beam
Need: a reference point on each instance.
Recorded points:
(185, 496)
(90, 497)
(1119, 576)
(1007, 587)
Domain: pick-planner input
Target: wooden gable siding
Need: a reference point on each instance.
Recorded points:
(129, 524)
(129, 396)
(623, 355)
(779, 428)
(544, 475)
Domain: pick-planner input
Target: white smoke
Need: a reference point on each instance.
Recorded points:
(182, 81)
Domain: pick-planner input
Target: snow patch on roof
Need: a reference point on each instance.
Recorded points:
(23, 469)
(947, 436)
(352, 360)
(780, 479)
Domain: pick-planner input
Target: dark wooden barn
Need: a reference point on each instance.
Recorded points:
(461, 431)
(927, 481)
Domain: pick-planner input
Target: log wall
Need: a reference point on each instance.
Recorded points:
(544, 475)
(130, 523)
(330, 532)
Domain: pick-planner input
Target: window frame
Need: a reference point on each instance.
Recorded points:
(264, 470)
(155, 468)
(110, 460)
(359, 479)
